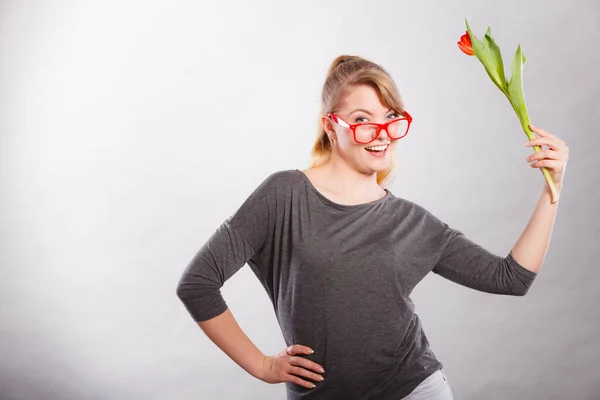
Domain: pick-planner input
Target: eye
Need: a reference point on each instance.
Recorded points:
(393, 115)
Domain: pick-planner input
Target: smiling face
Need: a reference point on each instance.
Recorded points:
(360, 106)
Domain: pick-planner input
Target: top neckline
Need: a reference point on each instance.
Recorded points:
(339, 206)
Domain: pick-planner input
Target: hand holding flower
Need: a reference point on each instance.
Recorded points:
(554, 158)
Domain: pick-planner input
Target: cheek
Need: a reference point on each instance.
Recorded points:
(348, 146)
(345, 143)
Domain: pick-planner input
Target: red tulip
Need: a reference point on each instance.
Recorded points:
(488, 52)
(465, 44)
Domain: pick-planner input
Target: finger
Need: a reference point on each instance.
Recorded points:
(298, 381)
(540, 131)
(544, 133)
(545, 154)
(299, 349)
(304, 373)
(305, 363)
(555, 165)
(542, 141)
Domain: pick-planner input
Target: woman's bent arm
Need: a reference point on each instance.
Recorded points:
(225, 332)
(286, 366)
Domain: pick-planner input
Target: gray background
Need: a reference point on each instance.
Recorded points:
(130, 131)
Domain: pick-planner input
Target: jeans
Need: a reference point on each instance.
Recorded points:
(435, 387)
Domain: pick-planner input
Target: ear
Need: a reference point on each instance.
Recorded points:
(327, 126)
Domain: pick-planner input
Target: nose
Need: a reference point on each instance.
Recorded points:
(382, 135)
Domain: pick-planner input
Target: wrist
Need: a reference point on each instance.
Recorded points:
(259, 366)
(558, 187)
(548, 192)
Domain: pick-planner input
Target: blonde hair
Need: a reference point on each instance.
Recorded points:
(344, 73)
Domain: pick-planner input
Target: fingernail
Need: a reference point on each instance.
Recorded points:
(311, 351)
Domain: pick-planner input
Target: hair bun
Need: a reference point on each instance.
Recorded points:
(340, 60)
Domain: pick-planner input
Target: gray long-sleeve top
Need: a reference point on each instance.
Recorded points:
(340, 276)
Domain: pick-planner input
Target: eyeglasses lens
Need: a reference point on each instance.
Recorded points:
(396, 130)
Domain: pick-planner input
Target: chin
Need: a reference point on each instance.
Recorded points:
(381, 167)
(377, 166)
(379, 163)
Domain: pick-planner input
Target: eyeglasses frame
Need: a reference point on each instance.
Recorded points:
(353, 127)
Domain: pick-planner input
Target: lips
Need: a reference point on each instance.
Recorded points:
(378, 153)
(380, 148)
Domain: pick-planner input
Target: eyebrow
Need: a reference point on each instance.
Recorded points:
(367, 112)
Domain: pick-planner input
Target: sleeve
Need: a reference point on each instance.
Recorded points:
(228, 249)
(465, 262)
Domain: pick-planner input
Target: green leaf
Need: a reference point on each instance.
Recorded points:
(488, 52)
(515, 89)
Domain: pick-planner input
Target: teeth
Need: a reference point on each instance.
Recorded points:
(379, 148)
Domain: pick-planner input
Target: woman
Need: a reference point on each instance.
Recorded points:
(339, 256)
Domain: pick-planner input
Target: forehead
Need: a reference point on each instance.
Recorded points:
(362, 96)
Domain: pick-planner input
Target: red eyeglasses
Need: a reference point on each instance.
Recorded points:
(369, 131)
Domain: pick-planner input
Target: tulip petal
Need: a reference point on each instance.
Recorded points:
(465, 49)
(466, 40)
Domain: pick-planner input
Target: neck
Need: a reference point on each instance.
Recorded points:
(347, 181)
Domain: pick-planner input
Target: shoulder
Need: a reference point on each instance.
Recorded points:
(406, 206)
(276, 183)
(263, 199)
(282, 179)
(420, 215)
